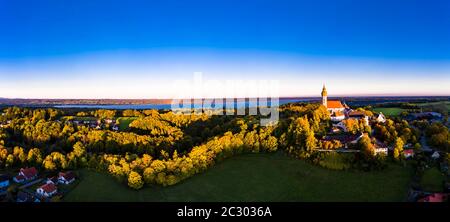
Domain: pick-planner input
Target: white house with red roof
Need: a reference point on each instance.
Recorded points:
(408, 153)
(66, 178)
(379, 117)
(359, 115)
(26, 174)
(47, 190)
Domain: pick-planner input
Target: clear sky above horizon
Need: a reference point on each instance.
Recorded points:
(137, 49)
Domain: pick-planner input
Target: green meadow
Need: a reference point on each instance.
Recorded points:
(257, 177)
(124, 122)
(389, 111)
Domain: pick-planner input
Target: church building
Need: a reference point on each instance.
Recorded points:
(335, 107)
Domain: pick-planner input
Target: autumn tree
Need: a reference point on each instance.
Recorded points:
(34, 156)
(398, 148)
(366, 146)
(135, 180)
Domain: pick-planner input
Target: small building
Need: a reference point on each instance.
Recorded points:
(435, 155)
(26, 197)
(337, 116)
(341, 125)
(109, 121)
(380, 148)
(4, 181)
(66, 178)
(47, 190)
(435, 198)
(26, 174)
(359, 115)
(408, 153)
(53, 179)
(344, 139)
(379, 117)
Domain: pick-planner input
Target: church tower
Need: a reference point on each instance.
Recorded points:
(324, 96)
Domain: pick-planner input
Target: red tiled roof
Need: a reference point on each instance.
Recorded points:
(436, 197)
(334, 104)
(356, 113)
(49, 187)
(20, 177)
(410, 151)
(29, 172)
(67, 175)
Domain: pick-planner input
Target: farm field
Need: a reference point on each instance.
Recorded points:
(257, 177)
(390, 111)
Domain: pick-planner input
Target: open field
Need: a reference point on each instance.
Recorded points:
(432, 180)
(436, 104)
(257, 177)
(447, 103)
(81, 118)
(390, 111)
(124, 122)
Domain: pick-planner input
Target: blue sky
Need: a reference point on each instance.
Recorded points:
(90, 49)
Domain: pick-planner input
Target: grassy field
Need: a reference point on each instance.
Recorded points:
(257, 177)
(447, 103)
(431, 104)
(391, 111)
(125, 121)
(432, 180)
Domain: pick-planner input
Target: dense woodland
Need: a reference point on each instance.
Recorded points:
(160, 147)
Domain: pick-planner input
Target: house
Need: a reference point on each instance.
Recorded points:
(359, 115)
(435, 197)
(53, 180)
(4, 181)
(408, 153)
(47, 190)
(67, 177)
(337, 116)
(109, 121)
(380, 148)
(379, 117)
(341, 125)
(26, 197)
(26, 175)
(435, 155)
(344, 139)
